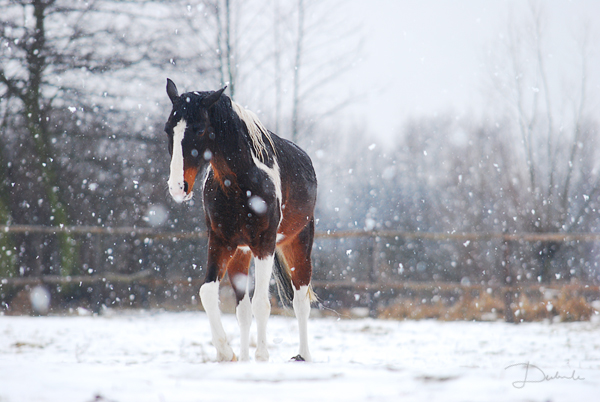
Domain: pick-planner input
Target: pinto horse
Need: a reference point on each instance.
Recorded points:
(259, 195)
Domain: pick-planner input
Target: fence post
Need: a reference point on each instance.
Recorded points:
(374, 273)
(509, 316)
(373, 277)
(96, 298)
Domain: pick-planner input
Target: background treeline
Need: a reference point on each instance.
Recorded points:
(83, 105)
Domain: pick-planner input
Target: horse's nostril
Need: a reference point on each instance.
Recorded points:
(185, 186)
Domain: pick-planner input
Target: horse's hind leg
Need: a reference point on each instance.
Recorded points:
(218, 258)
(297, 254)
(243, 312)
(238, 275)
(261, 306)
(302, 310)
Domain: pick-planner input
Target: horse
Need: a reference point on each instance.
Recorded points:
(259, 193)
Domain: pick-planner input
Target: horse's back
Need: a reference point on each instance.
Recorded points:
(298, 178)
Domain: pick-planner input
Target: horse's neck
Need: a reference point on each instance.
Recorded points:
(231, 155)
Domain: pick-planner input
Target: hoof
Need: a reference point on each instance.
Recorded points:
(225, 358)
(261, 356)
(297, 358)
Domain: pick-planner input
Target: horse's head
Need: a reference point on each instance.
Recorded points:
(190, 138)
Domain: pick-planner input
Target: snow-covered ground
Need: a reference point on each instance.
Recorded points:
(160, 356)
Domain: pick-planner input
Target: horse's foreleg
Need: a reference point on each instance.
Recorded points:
(218, 257)
(261, 306)
(209, 295)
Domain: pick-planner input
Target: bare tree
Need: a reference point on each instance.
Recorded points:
(53, 52)
(325, 48)
(555, 131)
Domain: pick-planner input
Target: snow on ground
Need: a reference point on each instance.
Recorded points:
(161, 356)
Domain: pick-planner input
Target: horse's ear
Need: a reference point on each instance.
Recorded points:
(213, 98)
(172, 90)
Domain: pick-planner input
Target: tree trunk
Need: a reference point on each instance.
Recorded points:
(35, 117)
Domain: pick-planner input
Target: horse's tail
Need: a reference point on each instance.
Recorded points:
(283, 278)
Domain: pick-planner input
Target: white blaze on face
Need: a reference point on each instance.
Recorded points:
(176, 182)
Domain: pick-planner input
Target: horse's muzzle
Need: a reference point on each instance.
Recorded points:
(180, 191)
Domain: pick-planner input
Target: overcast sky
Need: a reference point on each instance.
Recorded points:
(423, 57)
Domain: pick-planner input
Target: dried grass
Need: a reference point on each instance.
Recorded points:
(485, 306)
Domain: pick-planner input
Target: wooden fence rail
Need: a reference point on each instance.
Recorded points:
(373, 285)
(330, 234)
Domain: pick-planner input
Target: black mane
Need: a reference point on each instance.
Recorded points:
(223, 119)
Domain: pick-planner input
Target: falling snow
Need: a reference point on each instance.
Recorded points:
(257, 204)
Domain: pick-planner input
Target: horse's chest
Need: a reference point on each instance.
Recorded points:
(240, 216)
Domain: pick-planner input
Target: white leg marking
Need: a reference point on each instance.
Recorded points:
(243, 312)
(302, 310)
(261, 306)
(244, 249)
(209, 295)
(176, 181)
